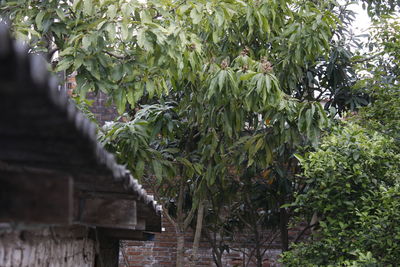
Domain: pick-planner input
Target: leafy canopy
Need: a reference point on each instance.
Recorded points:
(228, 67)
(353, 178)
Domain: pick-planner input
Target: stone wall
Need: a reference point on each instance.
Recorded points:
(49, 246)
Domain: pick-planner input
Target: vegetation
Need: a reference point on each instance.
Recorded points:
(353, 178)
(218, 98)
(353, 187)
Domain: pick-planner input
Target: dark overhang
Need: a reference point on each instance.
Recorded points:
(52, 168)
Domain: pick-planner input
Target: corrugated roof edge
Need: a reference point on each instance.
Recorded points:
(45, 81)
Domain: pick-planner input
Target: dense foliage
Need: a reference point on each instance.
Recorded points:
(353, 181)
(216, 97)
(353, 178)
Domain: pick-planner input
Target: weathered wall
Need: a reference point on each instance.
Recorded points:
(50, 246)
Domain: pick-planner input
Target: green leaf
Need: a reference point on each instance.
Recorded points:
(60, 14)
(117, 73)
(247, 76)
(124, 31)
(299, 157)
(215, 37)
(195, 15)
(133, 96)
(143, 42)
(268, 83)
(139, 169)
(64, 64)
(150, 88)
(88, 7)
(219, 18)
(221, 79)
(145, 16)
(259, 144)
(76, 4)
(83, 86)
(86, 42)
(67, 51)
(120, 101)
(111, 12)
(39, 19)
(269, 154)
(111, 31)
(157, 168)
(309, 120)
(186, 162)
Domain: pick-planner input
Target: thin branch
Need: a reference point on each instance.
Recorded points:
(240, 250)
(244, 221)
(115, 55)
(189, 217)
(274, 236)
(250, 256)
(170, 219)
(52, 51)
(321, 94)
(303, 231)
(72, 12)
(122, 247)
(365, 59)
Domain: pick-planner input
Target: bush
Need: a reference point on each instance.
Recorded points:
(353, 187)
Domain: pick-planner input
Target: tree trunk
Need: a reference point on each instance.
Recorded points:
(180, 249)
(259, 257)
(217, 258)
(314, 221)
(216, 250)
(283, 225)
(197, 235)
(180, 229)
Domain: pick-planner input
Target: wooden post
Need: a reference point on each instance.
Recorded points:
(107, 250)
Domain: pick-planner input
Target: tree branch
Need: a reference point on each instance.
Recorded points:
(303, 231)
(189, 217)
(115, 55)
(170, 219)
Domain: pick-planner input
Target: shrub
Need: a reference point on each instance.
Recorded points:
(353, 187)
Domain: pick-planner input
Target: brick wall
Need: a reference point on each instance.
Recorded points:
(162, 252)
(101, 108)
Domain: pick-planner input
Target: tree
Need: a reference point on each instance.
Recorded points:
(213, 90)
(353, 179)
(377, 8)
(383, 78)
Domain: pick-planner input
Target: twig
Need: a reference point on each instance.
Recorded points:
(303, 231)
(123, 254)
(114, 55)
